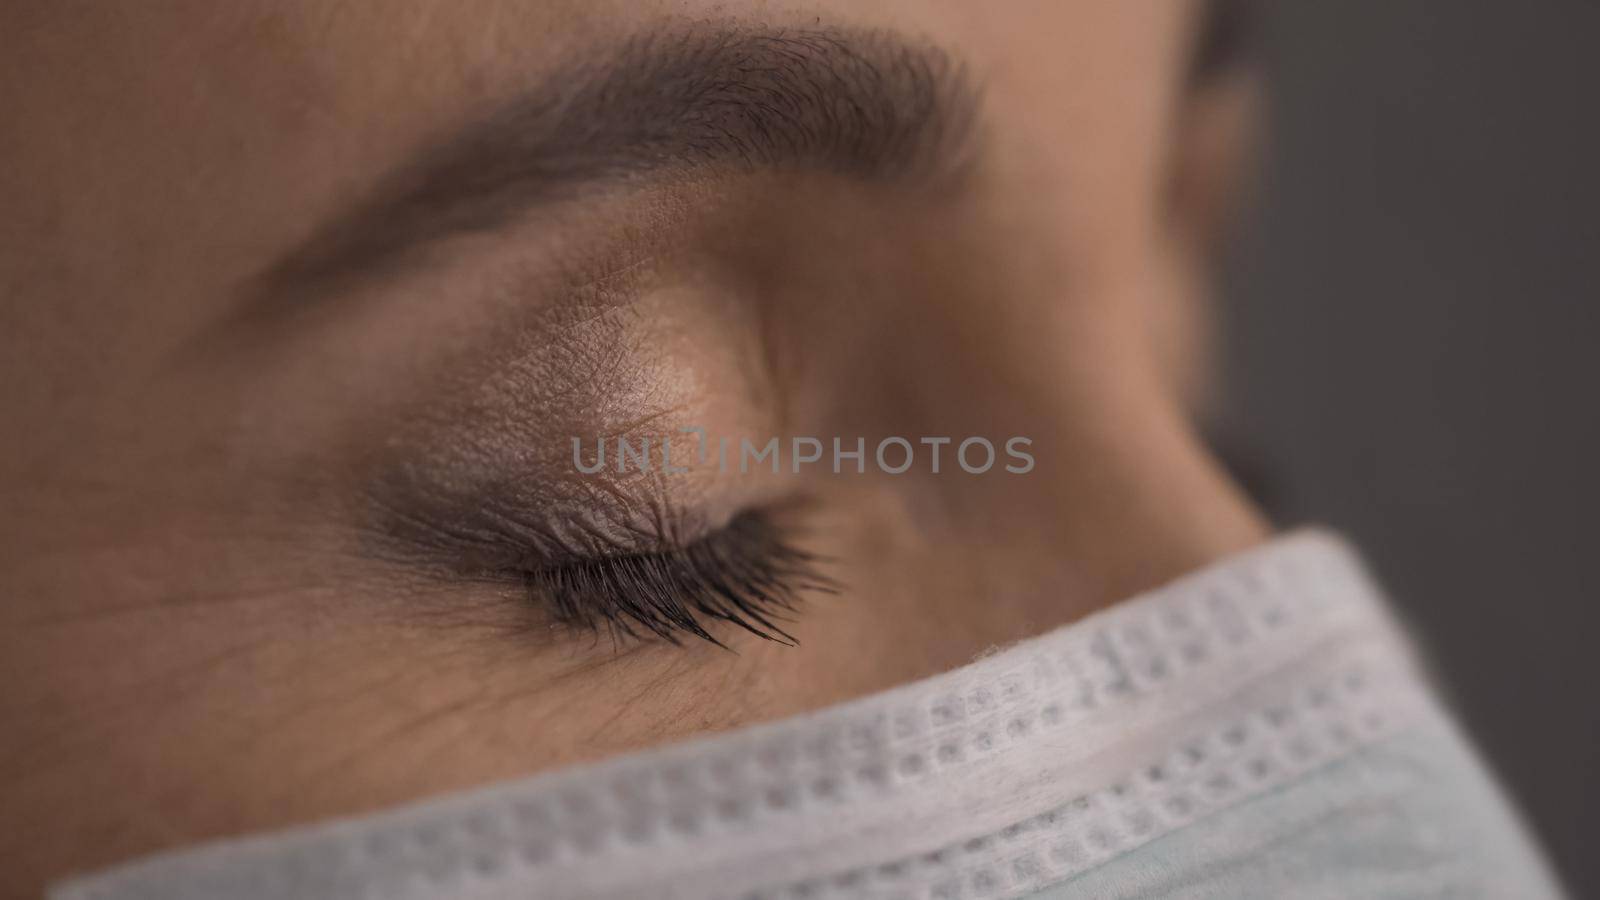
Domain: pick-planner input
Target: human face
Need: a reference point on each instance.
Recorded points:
(306, 303)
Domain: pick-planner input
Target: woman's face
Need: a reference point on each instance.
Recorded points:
(306, 305)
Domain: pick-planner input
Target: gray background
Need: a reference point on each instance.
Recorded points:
(1413, 350)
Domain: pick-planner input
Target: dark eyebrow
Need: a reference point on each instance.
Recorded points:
(863, 104)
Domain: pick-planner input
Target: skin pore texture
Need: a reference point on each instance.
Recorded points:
(292, 371)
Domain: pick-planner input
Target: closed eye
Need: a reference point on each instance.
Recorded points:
(747, 573)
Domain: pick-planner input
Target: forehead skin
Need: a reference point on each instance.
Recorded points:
(160, 155)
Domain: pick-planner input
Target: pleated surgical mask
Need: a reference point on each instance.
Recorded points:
(1258, 728)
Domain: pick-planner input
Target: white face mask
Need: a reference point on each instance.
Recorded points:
(1257, 729)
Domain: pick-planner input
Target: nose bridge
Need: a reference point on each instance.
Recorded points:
(919, 315)
(983, 336)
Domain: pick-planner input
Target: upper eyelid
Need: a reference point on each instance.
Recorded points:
(746, 574)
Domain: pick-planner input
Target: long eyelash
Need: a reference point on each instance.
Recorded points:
(746, 573)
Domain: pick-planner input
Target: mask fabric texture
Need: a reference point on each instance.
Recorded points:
(1257, 729)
